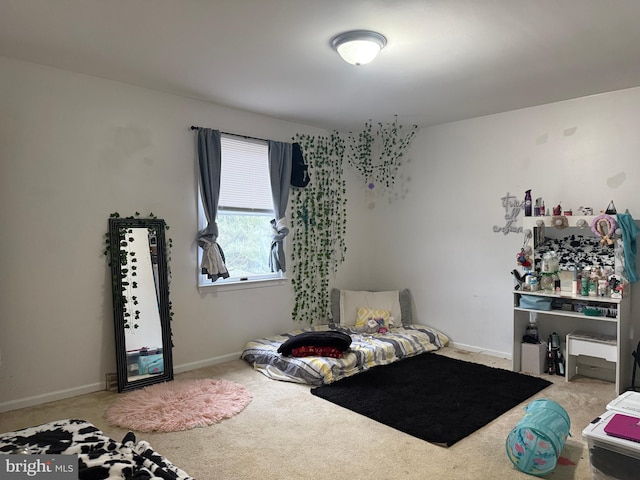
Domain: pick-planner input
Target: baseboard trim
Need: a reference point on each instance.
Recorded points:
(186, 367)
(50, 397)
(98, 386)
(471, 348)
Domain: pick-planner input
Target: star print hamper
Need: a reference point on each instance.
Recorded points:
(535, 443)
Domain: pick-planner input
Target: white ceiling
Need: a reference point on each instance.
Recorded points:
(445, 60)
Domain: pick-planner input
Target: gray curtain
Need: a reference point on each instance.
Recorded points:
(209, 163)
(280, 175)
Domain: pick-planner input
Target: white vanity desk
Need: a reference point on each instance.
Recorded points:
(597, 346)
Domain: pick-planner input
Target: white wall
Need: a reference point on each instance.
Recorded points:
(74, 149)
(439, 241)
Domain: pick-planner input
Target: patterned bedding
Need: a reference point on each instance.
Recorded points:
(99, 456)
(367, 350)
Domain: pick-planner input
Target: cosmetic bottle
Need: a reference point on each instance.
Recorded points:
(551, 359)
(593, 283)
(560, 364)
(532, 328)
(527, 203)
(585, 282)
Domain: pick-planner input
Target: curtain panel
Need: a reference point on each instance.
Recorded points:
(280, 155)
(209, 164)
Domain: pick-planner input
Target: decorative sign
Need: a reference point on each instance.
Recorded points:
(512, 208)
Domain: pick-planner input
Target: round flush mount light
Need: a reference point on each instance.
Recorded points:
(358, 47)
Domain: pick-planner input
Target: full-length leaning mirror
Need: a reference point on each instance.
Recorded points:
(140, 302)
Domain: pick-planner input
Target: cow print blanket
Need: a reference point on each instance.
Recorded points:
(577, 251)
(99, 456)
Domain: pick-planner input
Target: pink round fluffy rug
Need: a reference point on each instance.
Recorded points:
(178, 405)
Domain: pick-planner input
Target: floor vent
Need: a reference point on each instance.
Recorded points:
(111, 381)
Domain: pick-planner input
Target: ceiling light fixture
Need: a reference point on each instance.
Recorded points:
(358, 47)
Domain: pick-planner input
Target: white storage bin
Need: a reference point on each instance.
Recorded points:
(611, 458)
(601, 346)
(533, 357)
(597, 354)
(628, 404)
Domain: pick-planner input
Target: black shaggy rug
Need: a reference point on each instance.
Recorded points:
(432, 397)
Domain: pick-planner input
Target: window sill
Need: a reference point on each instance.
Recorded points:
(243, 284)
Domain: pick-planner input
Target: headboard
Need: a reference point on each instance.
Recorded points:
(404, 299)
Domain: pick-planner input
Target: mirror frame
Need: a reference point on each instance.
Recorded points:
(115, 227)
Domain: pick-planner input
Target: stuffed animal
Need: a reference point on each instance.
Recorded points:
(375, 325)
(523, 258)
(372, 326)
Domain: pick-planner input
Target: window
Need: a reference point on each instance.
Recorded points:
(245, 210)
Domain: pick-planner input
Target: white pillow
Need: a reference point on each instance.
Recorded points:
(350, 300)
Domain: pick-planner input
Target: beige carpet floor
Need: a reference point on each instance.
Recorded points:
(287, 433)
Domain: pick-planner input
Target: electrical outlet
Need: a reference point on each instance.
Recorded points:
(111, 380)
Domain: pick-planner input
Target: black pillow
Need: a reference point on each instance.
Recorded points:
(331, 338)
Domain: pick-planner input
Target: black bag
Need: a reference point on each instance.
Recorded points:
(299, 171)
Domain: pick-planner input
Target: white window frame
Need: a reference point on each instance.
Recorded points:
(233, 282)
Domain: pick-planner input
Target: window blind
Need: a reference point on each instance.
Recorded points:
(244, 182)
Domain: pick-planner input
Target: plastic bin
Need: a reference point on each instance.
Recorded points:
(611, 458)
(627, 403)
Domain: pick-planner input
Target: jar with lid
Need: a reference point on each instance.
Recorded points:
(546, 282)
(550, 262)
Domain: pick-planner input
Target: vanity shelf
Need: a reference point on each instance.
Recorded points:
(564, 322)
(612, 360)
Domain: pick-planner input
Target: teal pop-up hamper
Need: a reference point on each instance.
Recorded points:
(534, 445)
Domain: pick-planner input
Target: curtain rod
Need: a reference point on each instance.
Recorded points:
(235, 135)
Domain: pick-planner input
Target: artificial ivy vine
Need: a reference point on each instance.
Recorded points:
(128, 262)
(318, 211)
(318, 216)
(378, 155)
